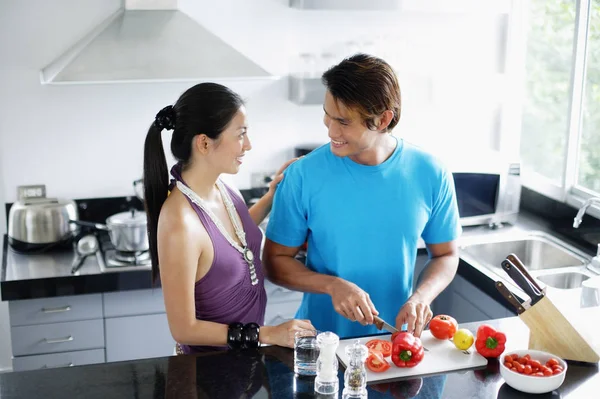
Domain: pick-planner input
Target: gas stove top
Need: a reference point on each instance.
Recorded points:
(110, 258)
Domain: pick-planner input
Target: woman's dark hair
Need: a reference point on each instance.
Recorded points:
(367, 84)
(206, 108)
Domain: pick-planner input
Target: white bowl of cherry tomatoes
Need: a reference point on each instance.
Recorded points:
(532, 371)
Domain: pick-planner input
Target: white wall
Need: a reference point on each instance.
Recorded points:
(84, 141)
(87, 140)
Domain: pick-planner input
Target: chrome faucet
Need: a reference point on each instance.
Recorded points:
(584, 207)
(594, 264)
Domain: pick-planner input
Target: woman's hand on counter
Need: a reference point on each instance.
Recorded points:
(283, 334)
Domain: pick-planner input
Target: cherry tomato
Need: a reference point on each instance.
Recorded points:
(526, 365)
(443, 326)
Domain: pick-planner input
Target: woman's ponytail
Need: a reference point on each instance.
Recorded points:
(156, 179)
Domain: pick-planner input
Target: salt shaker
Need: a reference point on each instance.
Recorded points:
(326, 381)
(355, 377)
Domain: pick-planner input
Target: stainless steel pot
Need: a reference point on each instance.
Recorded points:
(36, 222)
(128, 231)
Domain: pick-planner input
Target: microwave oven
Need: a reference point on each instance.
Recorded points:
(488, 196)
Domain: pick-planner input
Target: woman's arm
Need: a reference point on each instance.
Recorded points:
(178, 257)
(260, 210)
(181, 238)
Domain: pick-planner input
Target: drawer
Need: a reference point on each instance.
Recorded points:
(277, 293)
(280, 312)
(57, 337)
(55, 310)
(55, 360)
(132, 303)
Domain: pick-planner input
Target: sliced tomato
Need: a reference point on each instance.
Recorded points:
(380, 345)
(376, 362)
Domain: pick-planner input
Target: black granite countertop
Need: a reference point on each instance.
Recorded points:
(267, 373)
(49, 275)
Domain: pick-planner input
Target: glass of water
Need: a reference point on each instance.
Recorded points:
(306, 352)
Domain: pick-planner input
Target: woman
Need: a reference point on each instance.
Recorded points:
(202, 235)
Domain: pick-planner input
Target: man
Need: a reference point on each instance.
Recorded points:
(361, 203)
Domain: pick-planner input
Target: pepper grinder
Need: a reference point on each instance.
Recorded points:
(355, 376)
(326, 381)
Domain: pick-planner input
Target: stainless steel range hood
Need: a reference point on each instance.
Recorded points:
(150, 45)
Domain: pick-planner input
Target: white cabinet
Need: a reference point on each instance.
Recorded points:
(136, 325)
(138, 337)
(56, 332)
(84, 329)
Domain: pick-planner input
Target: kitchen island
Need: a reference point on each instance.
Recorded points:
(268, 373)
(98, 317)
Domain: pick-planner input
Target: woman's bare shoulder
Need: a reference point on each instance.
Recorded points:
(179, 221)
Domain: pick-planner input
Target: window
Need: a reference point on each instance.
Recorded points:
(588, 171)
(548, 66)
(560, 121)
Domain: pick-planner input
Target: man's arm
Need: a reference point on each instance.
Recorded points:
(284, 269)
(438, 273)
(347, 298)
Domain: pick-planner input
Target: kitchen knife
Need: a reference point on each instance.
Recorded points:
(382, 325)
(510, 297)
(519, 265)
(522, 282)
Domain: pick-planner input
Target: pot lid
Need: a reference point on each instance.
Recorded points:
(130, 218)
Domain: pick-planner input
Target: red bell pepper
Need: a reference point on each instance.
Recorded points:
(489, 343)
(407, 350)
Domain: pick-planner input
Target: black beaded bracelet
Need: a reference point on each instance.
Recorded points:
(250, 335)
(235, 334)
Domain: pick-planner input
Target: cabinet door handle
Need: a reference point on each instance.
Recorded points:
(45, 366)
(57, 310)
(58, 340)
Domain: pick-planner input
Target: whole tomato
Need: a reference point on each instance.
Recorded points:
(443, 326)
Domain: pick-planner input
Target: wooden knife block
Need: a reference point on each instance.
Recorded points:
(550, 331)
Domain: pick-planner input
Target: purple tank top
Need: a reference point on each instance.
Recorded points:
(226, 294)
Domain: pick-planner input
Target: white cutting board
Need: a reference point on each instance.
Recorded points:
(442, 356)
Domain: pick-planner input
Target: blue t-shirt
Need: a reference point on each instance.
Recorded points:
(362, 223)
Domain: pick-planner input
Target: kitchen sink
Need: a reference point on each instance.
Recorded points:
(537, 251)
(564, 281)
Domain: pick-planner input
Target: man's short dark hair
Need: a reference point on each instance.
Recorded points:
(367, 84)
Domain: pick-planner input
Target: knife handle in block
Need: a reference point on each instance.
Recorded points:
(509, 297)
(519, 265)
